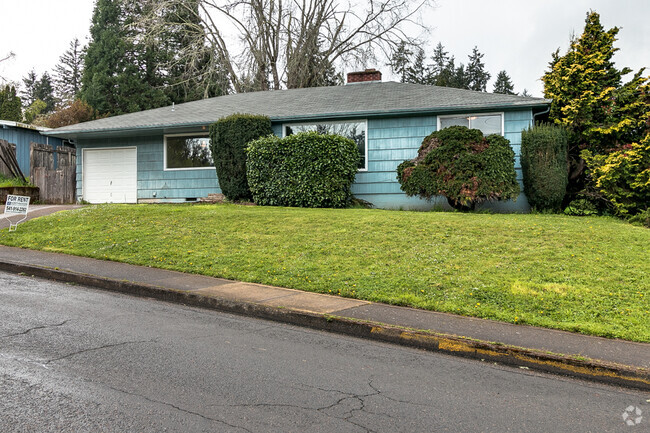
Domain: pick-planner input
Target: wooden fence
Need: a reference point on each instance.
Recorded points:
(4, 169)
(54, 172)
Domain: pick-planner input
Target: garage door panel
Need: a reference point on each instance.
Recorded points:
(110, 175)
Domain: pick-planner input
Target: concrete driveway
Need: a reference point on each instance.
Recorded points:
(35, 211)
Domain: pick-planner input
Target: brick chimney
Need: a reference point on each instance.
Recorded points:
(367, 76)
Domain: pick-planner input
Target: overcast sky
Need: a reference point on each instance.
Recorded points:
(516, 35)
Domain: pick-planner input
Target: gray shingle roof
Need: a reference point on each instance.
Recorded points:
(367, 99)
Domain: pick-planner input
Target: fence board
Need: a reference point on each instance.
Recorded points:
(4, 170)
(57, 185)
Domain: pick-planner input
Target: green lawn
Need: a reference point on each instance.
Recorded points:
(589, 275)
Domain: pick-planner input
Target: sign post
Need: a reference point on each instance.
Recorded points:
(16, 205)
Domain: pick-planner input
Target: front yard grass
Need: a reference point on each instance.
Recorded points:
(589, 275)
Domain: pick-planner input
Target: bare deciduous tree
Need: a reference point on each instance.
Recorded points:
(284, 43)
(10, 55)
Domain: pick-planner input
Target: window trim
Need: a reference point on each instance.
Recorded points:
(187, 134)
(364, 121)
(500, 113)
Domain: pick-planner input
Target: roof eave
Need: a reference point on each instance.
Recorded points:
(24, 125)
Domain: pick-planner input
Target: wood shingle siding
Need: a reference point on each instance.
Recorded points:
(169, 185)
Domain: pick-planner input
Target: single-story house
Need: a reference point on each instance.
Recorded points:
(22, 135)
(160, 155)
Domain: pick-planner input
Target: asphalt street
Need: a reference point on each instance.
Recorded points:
(75, 359)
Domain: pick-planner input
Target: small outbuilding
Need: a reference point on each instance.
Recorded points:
(150, 156)
(22, 135)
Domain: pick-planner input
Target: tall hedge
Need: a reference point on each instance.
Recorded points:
(544, 165)
(463, 166)
(229, 137)
(305, 170)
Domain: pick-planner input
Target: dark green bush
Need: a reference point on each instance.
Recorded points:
(544, 166)
(463, 166)
(306, 170)
(581, 207)
(642, 218)
(228, 139)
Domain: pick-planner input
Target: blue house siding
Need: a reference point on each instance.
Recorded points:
(393, 140)
(168, 185)
(22, 137)
(390, 141)
(514, 123)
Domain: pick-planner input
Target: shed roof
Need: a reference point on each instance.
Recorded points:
(14, 124)
(356, 100)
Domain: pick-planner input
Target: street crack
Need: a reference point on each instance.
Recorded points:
(178, 408)
(35, 328)
(92, 349)
(345, 396)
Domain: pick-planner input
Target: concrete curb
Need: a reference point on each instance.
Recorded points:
(582, 368)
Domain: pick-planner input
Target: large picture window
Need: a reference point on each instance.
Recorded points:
(187, 151)
(356, 130)
(487, 123)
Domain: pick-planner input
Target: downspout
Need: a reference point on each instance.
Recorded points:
(540, 113)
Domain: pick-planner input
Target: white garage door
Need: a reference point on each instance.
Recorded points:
(110, 175)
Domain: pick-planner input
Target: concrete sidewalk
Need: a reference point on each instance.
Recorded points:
(606, 360)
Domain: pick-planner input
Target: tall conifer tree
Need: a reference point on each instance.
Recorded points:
(400, 61)
(116, 77)
(600, 113)
(30, 84)
(67, 73)
(477, 76)
(503, 84)
(45, 92)
(10, 106)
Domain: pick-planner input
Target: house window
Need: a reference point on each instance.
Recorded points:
(356, 130)
(187, 152)
(487, 123)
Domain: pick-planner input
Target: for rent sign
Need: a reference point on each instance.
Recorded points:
(17, 204)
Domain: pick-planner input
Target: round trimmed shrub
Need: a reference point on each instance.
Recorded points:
(544, 166)
(305, 170)
(463, 166)
(229, 137)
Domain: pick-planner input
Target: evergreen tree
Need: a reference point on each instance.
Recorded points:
(410, 68)
(418, 72)
(582, 82)
(444, 72)
(440, 59)
(10, 106)
(503, 84)
(30, 84)
(458, 76)
(525, 93)
(67, 78)
(45, 92)
(477, 76)
(601, 114)
(117, 72)
(400, 61)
